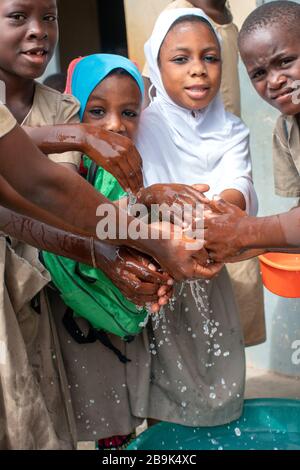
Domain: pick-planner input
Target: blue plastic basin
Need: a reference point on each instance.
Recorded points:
(266, 424)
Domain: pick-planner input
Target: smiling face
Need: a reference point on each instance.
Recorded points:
(28, 35)
(190, 65)
(272, 60)
(115, 105)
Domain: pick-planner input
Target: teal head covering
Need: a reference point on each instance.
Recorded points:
(91, 70)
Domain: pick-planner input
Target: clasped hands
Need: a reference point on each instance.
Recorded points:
(183, 256)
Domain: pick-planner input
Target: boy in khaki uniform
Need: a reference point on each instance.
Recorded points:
(286, 156)
(269, 46)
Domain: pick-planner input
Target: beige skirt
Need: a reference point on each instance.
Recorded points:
(97, 382)
(189, 366)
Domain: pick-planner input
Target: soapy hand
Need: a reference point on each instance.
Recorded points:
(221, 222)
(139, 278)
(182, 257)
(179, 203)
(116, 154)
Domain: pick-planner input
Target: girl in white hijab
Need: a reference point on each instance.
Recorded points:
(190, 370)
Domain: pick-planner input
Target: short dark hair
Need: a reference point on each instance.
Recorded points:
(284, 13)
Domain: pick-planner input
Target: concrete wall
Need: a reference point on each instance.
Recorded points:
(241, 10)
(140, 19)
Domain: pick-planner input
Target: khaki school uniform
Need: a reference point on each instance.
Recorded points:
(51, 107)
(35, 405)
(286, 157)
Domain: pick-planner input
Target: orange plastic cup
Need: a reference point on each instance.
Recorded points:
(281, 273)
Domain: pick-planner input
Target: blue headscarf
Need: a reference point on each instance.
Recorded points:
(91, 70)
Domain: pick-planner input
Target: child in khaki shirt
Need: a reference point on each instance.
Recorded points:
(269, 46)
(286, 156)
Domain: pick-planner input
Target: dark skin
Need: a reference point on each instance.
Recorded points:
(128, 269)
(115, 153)
(232, 236)
(134, 274)
(114, 105)
(52, 187)
(272, 59)
(175, 196)
(216, 10)
(28, 36)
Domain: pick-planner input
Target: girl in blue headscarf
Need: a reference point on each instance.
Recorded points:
(110, 90)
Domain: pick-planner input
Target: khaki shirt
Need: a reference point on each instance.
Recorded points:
(286, 157)
(7, 121)
(51, 107)
(230, 85)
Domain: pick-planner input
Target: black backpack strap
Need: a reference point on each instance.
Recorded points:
(104, 339)
(93, 335)
(74, 330)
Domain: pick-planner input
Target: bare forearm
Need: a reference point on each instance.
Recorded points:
(59, 138)
(48, 238)
(47, 185)
(278, 231)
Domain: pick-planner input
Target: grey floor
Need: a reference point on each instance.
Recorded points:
(262, 384)
(259, 384)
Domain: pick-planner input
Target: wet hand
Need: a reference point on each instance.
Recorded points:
(140, 279)
(116, 154)
(179, 203)
(181, 256)
(221, 229)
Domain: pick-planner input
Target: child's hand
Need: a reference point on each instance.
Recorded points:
(179, 255)
(139, 278)
(221, 223)
(116, 154)
(179, 203)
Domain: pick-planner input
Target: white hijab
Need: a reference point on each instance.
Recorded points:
(211, 146)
